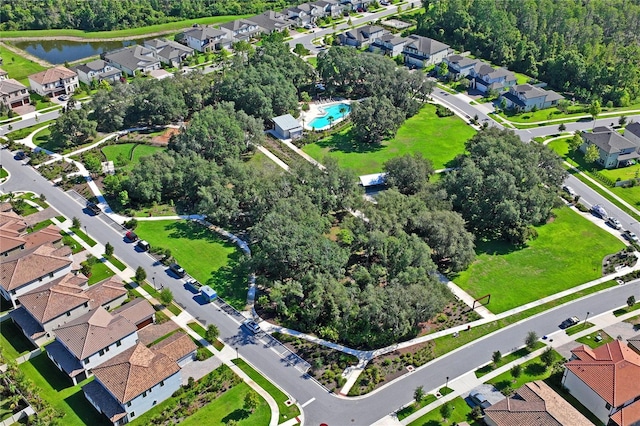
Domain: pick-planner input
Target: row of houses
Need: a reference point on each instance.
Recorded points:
(604, 380)
(87, 330)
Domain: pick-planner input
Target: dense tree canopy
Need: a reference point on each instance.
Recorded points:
(591, 47)
(105, 15)
(503, 185)
(72, 128)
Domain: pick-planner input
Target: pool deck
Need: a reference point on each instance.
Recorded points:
(316, 109)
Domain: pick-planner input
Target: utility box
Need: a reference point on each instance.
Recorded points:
(208, 293)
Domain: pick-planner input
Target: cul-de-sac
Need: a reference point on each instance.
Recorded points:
(326, 213)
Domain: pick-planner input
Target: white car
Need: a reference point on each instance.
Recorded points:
(614, 223)
(569, 190)
(251, 325)
(631, 236)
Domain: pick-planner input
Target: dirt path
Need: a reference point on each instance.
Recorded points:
(26, 55)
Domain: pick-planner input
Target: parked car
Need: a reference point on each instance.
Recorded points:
(631, 236)
(63, 98)
(569, 190)
(598, 210)
(569, 322)
(614, 223)
(178, 270)
(20, 155)
(131, 236)
(143, 245)
(94, 208)
(194, 286)
(251, 325)
(479, 399)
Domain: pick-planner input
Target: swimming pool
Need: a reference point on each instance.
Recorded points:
(336, 111)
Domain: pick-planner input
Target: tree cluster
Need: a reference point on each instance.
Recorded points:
(504, 186)
(106, 15)
(392, 93)
(591, 48)
(72, 128)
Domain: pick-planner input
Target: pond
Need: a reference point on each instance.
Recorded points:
(61, 51)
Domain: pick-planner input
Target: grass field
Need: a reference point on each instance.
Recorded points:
(461, 413)
(590, 341)
(203, 254)
(126, 155)
(552, 263)
(438, 139)
(130, 32)
(3, 173)
(286, 413)
(55, 387)
(23, 133)
(18, 67)
(13, 341)
(99, 272)
(532, 370)
(506, 359)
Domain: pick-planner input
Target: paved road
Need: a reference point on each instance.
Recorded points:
(324, 407)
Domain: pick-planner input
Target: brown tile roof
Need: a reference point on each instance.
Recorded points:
(134, 371)
(611, 370)
(105, 291)
(52, 75)
(537, 404)
(10, 240)
(136, 311)
(12, 221)
(93, 331)
(176, 346)
(55, 298)
(50, 234)
(628, 416)
(5, 206)
(32, 265)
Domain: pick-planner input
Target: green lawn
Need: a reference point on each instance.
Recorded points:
(12, 341)
(40, 225)
(286, 413)
(117, 263)
(532, 370)
(99, 272)
(313, 60)
(439, 139)
(590, 341)
(626, 309)
(3, 173)
(544, 114)
(23, 133)
(42, 139)
(581, 326)
(554, 262)
(18, 67)
(261, 162)
(506, 359)
(203, 254)
(55, 387)
(126, 155)
(461, 413)
(84, 237)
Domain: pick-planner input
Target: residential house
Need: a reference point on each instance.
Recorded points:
(362, 36)
(356, 5)
(422, 51)
(26, 270)
(331, 8)
(241, 30)
(13, 240)
(460, 66)
(524, 97)
(54, 82)
(133, 382)
(98, 71)
(139, 312)
(207, 39)
(615, 149)
(169, 52)
(632, 132)
(389, 44)
(634, 343)
(287, 127)
(133, 58)
(13, 94)
(534, 403)
(90, 340)
(305, 14)
(65, 299)
(178, 347)
(605, 381)
(486, 78)
(271, 21)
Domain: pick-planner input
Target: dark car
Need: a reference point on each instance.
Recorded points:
(178, 270)
(479, 399)
(94, 208)
(143, 245)
(131, 236)
(569, 322)
(20, 155)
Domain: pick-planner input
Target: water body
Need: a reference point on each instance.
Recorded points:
(336, 112)
(61, 51)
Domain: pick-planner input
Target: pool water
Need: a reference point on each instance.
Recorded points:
(330, 111)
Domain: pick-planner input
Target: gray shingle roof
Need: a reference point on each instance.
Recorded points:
(426, 45)
(205, 33)
(10, 86)
(97, 65)
(132, 57)
(608, 140)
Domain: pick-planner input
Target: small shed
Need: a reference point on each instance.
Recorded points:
(208, 293)
(287, 127)
(376, 179)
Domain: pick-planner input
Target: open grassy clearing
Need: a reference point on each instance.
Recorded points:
(203, 254)
(461, 412)
(590, 339)
(18, 67)
(13, 341)
(550, 264)
(127, 155)
(532, 370)
(130, 32)
(286, 413)
(99, 272)
(506, 359)
(438, 139)
(55, 387)
(23, 133)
